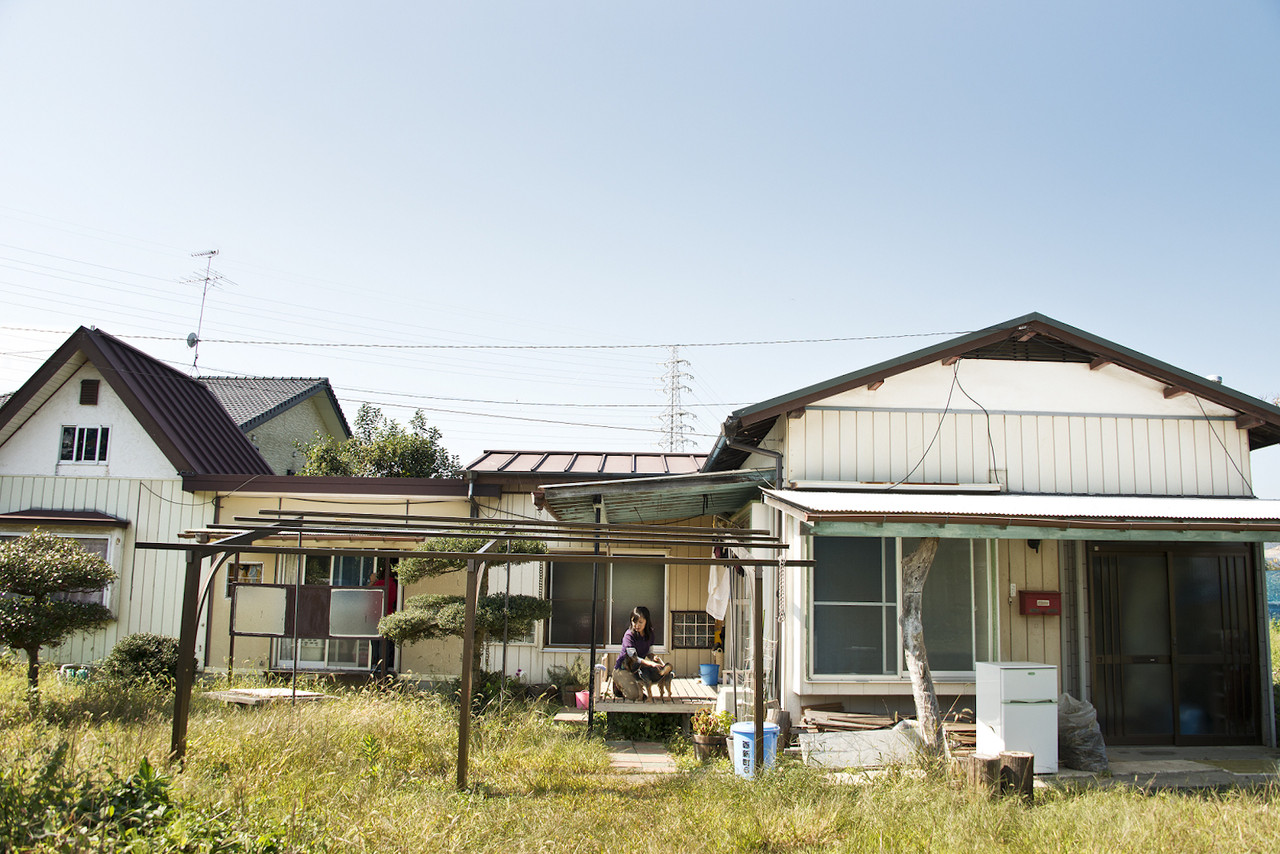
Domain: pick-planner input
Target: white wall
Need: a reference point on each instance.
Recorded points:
(1052, 428)
(147, 597)
(131, 453)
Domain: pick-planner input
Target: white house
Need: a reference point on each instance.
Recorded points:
(1095, 511)
(95, 445)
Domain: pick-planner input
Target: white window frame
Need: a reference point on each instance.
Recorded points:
(659, 646)
(984, 633)
(108, 590)
(77, 444)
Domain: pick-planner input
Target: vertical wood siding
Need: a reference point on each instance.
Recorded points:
(1038, 452)
(147, 596)
(1027, 638)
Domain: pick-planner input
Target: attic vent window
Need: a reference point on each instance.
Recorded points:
(88, 392)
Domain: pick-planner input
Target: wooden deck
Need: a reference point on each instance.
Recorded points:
(688, 695)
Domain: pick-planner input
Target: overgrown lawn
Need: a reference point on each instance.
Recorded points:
(371, 771)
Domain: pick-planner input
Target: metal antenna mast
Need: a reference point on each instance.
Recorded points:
(674, 425)
(209, 279)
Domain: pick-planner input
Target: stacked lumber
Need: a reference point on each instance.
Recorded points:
(825, 721)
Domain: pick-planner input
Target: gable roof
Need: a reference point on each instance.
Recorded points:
(181, 415)
(1030, 338)
(252, 401)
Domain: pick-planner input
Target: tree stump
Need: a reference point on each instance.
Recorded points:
(981, 772)
(1017, 774)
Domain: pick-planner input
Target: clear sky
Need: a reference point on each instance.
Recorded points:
(629, 173)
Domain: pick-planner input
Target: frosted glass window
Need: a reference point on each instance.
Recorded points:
(260, 610)
(355, 613)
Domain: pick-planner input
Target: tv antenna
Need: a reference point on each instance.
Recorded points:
(209, 279)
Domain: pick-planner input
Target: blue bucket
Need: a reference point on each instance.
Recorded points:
(744, 747)
(710, 674)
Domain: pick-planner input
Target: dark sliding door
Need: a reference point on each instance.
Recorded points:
(1175, 644)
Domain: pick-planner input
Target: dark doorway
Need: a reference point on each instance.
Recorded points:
(1175, 643)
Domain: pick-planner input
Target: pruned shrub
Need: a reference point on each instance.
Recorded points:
(143, 657)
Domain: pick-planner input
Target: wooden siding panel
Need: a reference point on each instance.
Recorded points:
(1109, 441)
(831, 450)
(813, 450)
(966, 469)
(1158, 464)
(882, 429)
(847, 427)
(1048, 458)
(1030, 443)
(1126, 474)
(948, 461)
(865, 446)
(1142, 476)
(1093, 456)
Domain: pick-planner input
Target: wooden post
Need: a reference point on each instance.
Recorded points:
(468, 647)
(186, 675)
(1017, 774)
(915, 570)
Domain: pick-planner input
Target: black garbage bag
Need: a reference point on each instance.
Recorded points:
(1080, 743)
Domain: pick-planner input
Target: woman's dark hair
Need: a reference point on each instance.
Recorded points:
(642, 611)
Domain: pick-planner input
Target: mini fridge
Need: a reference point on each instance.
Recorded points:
(1018, 710)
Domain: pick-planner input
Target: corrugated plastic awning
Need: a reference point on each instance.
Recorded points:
(1102, 517)
(655, 499)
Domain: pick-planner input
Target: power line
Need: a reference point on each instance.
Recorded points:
(372, 346)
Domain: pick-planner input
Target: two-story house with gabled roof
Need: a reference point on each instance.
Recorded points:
(95, 446)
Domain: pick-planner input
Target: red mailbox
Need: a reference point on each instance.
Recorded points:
(1039, 602)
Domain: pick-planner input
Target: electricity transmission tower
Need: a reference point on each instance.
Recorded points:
(675, 427)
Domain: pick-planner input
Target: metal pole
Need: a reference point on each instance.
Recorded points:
(297, 595)
(591, 661)
(757, 665)
(506, 618)
(186, 657)
(468, 649)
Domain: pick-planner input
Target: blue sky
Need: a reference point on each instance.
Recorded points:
(629, 174)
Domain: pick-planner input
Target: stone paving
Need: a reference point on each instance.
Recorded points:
(640, 757)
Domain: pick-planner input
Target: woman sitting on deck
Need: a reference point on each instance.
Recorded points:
(635, 669)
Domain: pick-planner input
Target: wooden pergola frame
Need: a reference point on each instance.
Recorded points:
(219, 541)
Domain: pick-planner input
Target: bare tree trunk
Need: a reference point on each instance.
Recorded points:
(915, 569)
(33, 668)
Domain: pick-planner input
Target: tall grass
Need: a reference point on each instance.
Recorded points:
(371, 771)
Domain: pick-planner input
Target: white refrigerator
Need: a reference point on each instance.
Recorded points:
(1018, 710)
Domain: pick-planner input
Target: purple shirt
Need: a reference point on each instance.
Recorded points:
(636, 641)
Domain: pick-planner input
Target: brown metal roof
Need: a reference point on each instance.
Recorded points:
(36, 516)
(182, 416)
(589, 463)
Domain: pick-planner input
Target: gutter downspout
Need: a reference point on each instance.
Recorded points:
(755, 449)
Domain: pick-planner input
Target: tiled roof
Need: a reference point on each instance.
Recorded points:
(181, 415)
(587, 463)
(254, 400)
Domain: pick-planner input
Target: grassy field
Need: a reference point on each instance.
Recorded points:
(375, 772)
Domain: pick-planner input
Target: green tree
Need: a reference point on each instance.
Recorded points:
(381, 447)
(435, 615)
(36, 573)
